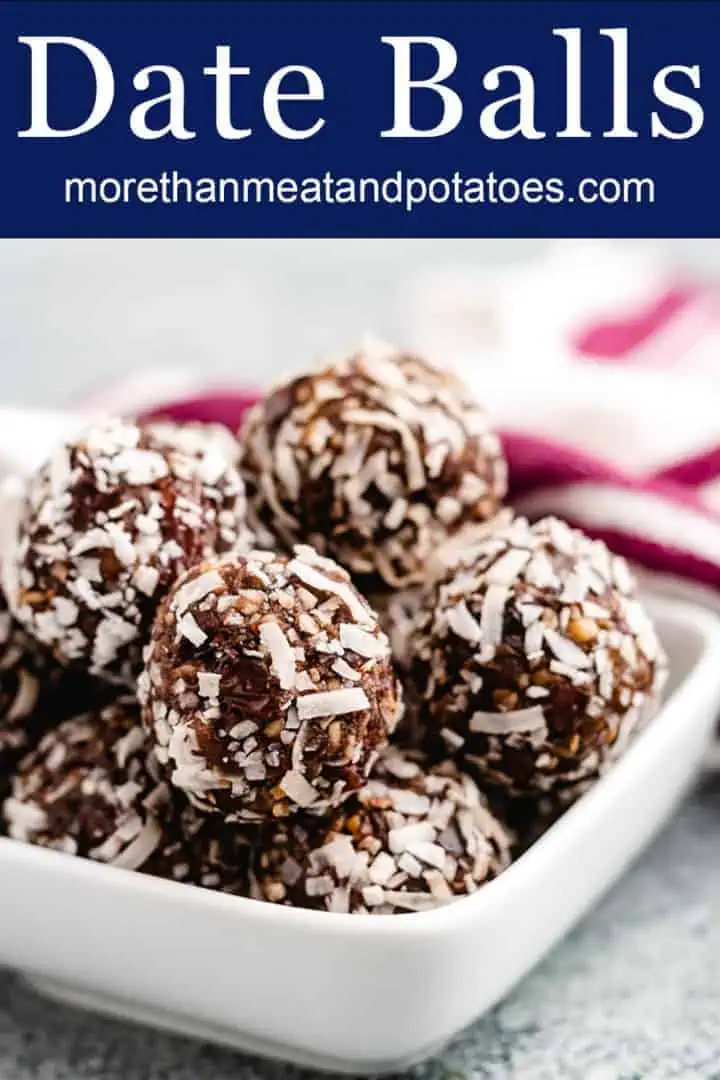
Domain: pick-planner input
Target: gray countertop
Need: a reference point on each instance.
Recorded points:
(632, 994)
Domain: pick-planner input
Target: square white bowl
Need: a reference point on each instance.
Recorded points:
(342, 992)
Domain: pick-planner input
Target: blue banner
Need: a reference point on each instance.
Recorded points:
(359, 119)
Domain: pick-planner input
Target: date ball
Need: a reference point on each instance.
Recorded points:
(93, 788)
(535, 662)
(90, 789)
(410, 840)
(107, 526)
(268, 685)
(375, 460)
(27, 674)
(35, 692)
(200, 849)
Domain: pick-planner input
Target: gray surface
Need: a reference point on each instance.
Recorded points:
(632, 994)
(73, 312)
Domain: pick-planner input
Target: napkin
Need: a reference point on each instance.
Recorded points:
(600, 366)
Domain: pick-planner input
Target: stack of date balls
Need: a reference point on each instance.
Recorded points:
(317, 664)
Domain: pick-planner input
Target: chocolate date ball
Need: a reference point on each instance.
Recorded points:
(268, 685)
(35, 693)
(27, 675)
(200, 849)
(535, 661)
(397, 614)
(90, 789)
(108, 524)
(93, 788)
(410, 840)
(375, 460)
(398, 609)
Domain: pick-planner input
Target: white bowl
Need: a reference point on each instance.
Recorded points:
(361, 995)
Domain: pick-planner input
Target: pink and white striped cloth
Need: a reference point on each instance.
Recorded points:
(645, 475)
(601, 367)
(621, 435)
(601, 370)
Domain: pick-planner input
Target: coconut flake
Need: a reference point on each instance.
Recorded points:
(343, 669)
(530, 613)
(340, 855)
(189, 629)
(361, 641)
(141, 848)
(537, 692)
(282, 657)
(312, 577)
(319, 886)
(146, 579)
(208, 684)
(567, 651)
(401, 838)
(493, 614)
(195, 590)
(381, 868)
(287, 470)
(297, 788)
(428, 852)
(575, 588)
(121, 543)
(410, 901)
(515, 721)
(92, 540)
(66, 610)
(349, 699)
(438, 886)
(539, 571)
(129, 744)
(24, 818)
(534, 637)
(140, 466)
(415, 471)
(409, 802)
(25, 697)
(373, 895)
(463, 624)
(243, 729)
(452, 739)
(508, 567)
(111, 635)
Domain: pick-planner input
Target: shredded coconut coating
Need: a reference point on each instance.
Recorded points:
(200, 849)
(268, 685)
(90, 788)
(377, 459)
(108, 524)
(397, 613)
(26, 675)
(410, 840)
(35, 692)
(93, 788)
(534, 661)
(531, 815)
